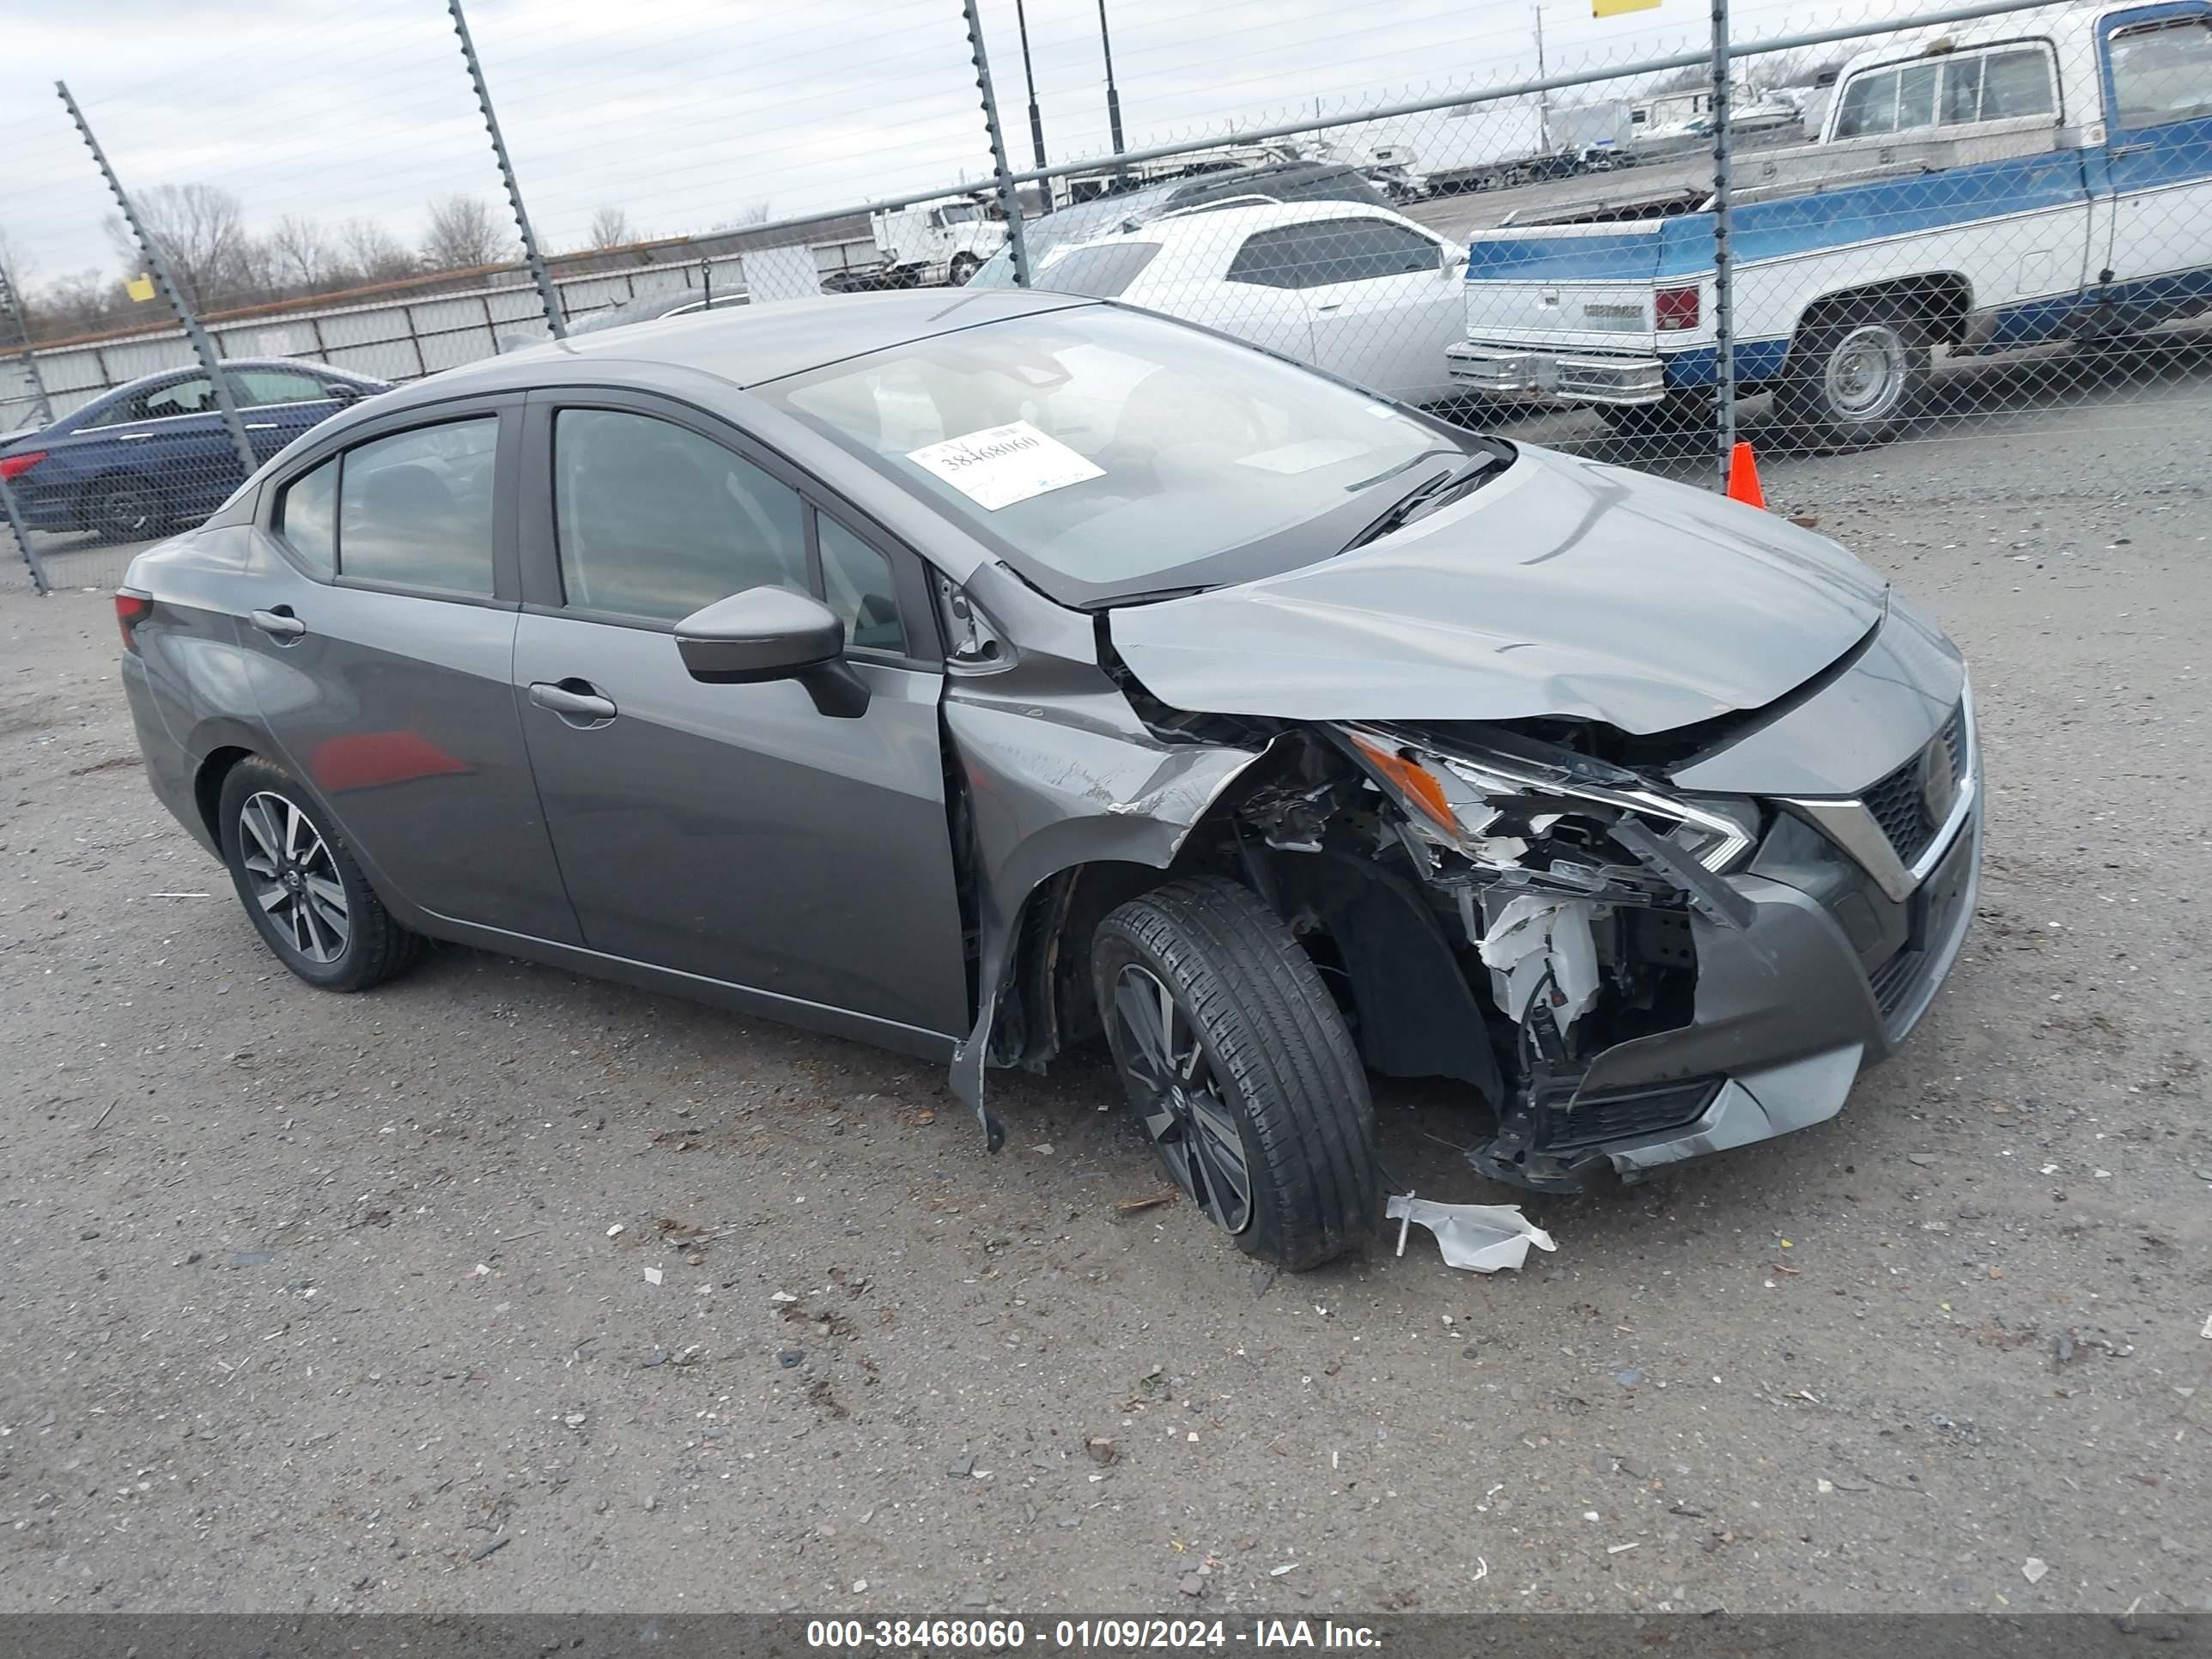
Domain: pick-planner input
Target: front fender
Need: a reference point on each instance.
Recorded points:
(1054, 784)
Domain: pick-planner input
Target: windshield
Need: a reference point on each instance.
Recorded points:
(1109, 452)
(962, 215)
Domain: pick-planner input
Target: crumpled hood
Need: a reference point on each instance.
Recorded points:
(1561, 587)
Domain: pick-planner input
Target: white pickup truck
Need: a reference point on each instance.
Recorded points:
(935, 243)
(2044, 177)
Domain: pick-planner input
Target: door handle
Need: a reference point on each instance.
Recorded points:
(2118, 150)
(132, 437)
(1331, 306)
(280, 624)
(261, 426)
(574, 701)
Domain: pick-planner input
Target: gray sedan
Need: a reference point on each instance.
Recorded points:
(983, 674)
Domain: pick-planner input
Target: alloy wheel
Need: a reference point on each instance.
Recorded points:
(126, 513)
(1179, 1100)
(294, 879)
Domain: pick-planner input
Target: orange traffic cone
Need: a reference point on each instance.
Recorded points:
(1743, 477)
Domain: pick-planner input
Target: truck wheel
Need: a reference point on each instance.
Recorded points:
(1241, 1069)
(963, 266)
(1855, 376)
(118, 508)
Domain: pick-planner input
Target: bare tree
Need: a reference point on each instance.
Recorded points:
(78, 304)
(610, 227)
(752, 213)
(200, 230)
(372, 254)
(302, 253)
(464, 233)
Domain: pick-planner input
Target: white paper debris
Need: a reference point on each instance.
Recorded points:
(615, 1230)
(1481, 1237)
(1002, 464)
(2034, 1568)
(2207, 1332)
(781, 1295)
(652, 1275)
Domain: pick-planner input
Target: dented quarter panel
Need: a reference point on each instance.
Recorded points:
(1563, 587)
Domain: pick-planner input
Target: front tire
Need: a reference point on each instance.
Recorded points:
(301, 888)
(1241, 1069)
(963, 266)
(1855, 376)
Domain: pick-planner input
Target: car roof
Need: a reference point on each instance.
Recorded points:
(1212, 224)
(750, 345)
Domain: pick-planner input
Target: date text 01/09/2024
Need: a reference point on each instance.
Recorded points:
(997, 1635)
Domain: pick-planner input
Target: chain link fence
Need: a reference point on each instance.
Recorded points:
(1910, 225)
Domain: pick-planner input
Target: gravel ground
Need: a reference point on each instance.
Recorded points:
(317, 1303)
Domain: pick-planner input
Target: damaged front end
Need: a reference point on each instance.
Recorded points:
(1571, 891)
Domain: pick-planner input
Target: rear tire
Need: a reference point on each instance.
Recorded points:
(1855, 376)
(301, 888)
(1259, 1067)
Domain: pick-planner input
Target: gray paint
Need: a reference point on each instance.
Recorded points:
(733, 843)
(1562, 587)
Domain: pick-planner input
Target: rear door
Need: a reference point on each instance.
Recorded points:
(166, 440)
(380, 651)
(279, 404)
(1385, 305)
(2157, 90)
(732, 831)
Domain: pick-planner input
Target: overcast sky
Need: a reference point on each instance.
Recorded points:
(684, 112)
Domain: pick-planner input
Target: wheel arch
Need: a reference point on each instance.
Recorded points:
(1941, 300)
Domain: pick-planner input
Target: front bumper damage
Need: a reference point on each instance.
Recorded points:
(1812, 957)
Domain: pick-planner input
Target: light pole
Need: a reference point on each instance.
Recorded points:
(1036, 121)
(1113, 98)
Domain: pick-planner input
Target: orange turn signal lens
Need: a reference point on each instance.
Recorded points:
(1416, 785)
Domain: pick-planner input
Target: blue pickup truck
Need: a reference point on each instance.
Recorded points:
(2041, 177)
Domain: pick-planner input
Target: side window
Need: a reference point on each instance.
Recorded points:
(1282, 257)
(1869, 106)
(121, 413)
(2018, 82)
(655, 520)
(1361, 249)
(194, 396)
(307, 517)
(1962, 89)
(416, 508)
(856, 584)
(253, 387)
(1916, 96)
(2163, 73)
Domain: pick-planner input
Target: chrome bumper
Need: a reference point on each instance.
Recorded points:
(1581, 377)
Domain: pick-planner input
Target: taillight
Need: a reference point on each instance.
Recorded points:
(1674, 308)
(130, 609)
(13, 467)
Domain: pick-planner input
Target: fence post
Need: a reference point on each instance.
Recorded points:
(158, 268)
(12, 308)
(1009, 197)
(23, 540)
(538, 274)
(1723, 253)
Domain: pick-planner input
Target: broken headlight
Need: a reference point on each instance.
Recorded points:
(1491, 805)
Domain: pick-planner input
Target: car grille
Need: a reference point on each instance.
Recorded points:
(1936, 917)
(1645, 1111)
(1899, 802)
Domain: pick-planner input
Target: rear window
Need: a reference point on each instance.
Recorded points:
(1100, 273)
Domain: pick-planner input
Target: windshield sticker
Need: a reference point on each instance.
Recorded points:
(1002, 464)
(1304, 456)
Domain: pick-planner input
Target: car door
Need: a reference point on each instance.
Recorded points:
(2158, 68)
(378, 647)
(277, 405)
(733, 832)
(177, 444)
(1385, 305)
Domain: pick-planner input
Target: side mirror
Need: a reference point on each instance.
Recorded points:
(343, 392)
(773, 633)
(1451, 259)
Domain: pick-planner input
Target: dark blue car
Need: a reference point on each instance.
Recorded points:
(155, 454)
